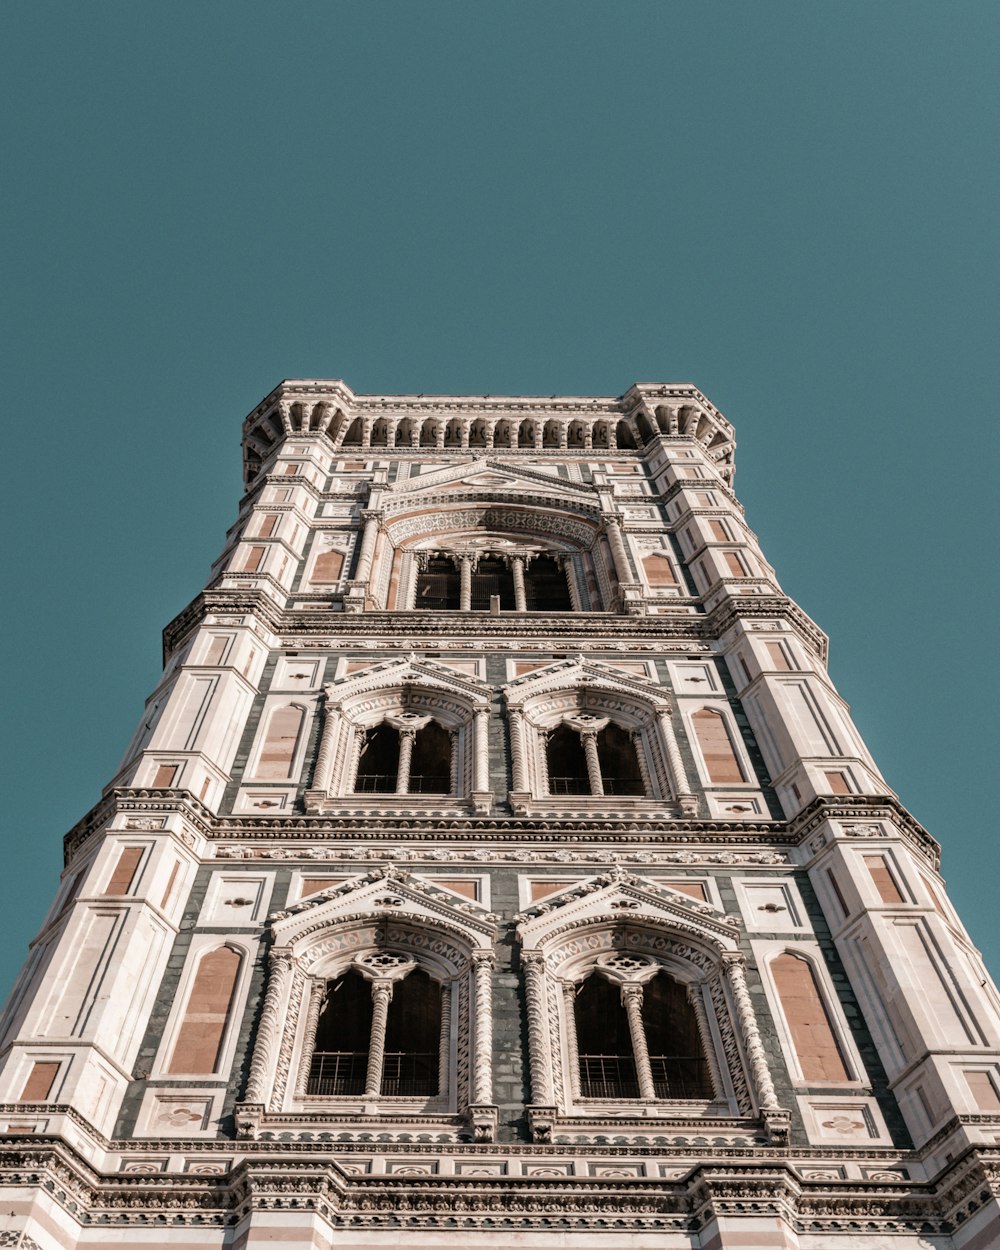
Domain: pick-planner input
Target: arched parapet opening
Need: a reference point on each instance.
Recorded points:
(377, 1005)
(408, 728)
(448, 554)
(583, 733)
(637, 995)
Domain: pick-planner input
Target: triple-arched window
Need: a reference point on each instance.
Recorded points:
(473, 582)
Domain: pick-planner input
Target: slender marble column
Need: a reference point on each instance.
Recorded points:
(538, 1028)
(465, 591)
(515, 722)
(734, 965)
(482, 730)
(632, 1002)
(675, 765)
(352, 756)
(381, 998)
(482, 1066)
(269, 1029)
(569, 572)
(368, 537)
(406, 739)
(613, 529)
(697, 1001)
(444, 1043)
(589, 737)
(517, 570)
(572, 1043)
(325, 755)
(317, 996)
(640, 758)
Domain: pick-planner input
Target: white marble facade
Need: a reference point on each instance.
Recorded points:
(496, 864)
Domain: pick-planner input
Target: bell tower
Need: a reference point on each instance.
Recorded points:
(495, 863)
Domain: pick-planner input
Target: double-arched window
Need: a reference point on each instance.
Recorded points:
(379, 1032)
(599, 758)
(406, 754)
(637, 1034)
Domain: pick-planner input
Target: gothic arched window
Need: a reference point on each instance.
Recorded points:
(566, 762)
(637, 1034)
(379, 1032)
(431, 761)
(598, 758)
(616, 753)
(378, 762)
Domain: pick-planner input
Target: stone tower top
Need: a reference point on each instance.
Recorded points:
(461, 422)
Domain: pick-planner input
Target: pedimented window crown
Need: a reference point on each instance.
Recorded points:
(582, 695)
(402, 693)
(382, 926)
(629, 930)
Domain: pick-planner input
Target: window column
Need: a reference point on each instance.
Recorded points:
(642, 762)
(271, 1027)
(372, 520)
(589, 737)
(613, 529)
(323, 772)
(381, 998)
(517, 572)
(569, 572)
(686, 801)
(538, 1028)
(632, 1002)
(465, 591)
(482, 750)
(569, 990)
(767, 1100)
(482, 1064)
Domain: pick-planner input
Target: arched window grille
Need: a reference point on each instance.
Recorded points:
(469, 581)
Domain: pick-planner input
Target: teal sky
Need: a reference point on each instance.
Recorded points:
(792, 205)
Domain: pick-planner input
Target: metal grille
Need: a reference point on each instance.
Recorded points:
(608, 1076)
(430, 783)
(680, 1076)
(569, 785)
(406, 1073)
(674, 1076)
(622, 785)
(484, 585)
(343, 1072)
(337, 1072)
(375, 783)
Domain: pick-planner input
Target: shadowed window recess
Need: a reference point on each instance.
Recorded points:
(379, 1033)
